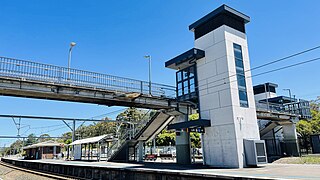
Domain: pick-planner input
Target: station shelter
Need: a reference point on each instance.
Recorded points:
(91, 149)
(44, 150)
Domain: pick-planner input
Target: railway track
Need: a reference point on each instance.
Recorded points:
(8, 172)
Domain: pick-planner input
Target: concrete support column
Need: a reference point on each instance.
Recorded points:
(290, 139)
(54, 151)
(140, 151)
(183, 143)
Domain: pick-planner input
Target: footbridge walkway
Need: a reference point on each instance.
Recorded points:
(22, 78)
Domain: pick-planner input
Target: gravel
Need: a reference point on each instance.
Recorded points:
(7, 173)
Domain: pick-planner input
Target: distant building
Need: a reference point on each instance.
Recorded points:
(43, 150)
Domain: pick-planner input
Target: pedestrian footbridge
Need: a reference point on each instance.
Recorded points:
(22, 78)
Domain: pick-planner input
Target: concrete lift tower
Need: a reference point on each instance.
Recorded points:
(215, 74)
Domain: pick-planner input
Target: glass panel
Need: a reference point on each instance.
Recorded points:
(243, 95)
(186, 87)
(192, 85)
(241, 80)
(191, 71)
(179, 78)
(238, 54)
(192, 88)
(240, 76)
(185, 75)
(179, 89)
(239, 63)
(239, 70)
(237, 47)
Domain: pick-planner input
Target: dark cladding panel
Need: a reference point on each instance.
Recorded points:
(222, 19)
(224, 15)
(185, 59)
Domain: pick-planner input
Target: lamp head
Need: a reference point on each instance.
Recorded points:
(72, 44)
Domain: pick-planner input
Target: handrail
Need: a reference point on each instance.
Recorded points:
(30, 70)
(128, 134)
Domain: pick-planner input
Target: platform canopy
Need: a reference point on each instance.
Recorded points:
(190, 124)
(92, 140)
(44, 144)
(185, 59)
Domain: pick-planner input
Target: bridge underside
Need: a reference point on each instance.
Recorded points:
(19, 87)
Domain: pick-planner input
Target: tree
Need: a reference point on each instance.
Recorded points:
(99, 128)
(309, 127)
(16, 147)
(31, 139)
(66, 138)
(166, 138)
(304, 128)
(44, 137)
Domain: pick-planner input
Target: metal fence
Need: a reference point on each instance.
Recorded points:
(300, 107)
(277, 108)
(34, 71)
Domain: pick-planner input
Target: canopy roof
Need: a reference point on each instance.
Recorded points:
(44, 144)
(93, 139)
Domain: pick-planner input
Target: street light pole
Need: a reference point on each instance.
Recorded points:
(72, 44)
(149, 58)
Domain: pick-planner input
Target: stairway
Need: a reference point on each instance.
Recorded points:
(124, 149)
(268, 127)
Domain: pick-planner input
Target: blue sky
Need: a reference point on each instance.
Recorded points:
(113, 36)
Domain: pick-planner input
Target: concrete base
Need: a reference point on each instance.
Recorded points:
(183, 148)
(290, 139)
(140, 151)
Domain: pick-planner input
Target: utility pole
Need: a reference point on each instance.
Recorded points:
(18, 125)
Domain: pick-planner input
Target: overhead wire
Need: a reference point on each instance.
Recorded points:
(266, 64)
(263, 73)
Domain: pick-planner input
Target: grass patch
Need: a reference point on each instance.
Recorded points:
(308, 159)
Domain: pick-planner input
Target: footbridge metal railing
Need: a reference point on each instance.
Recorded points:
(300, 108)
(28, 70)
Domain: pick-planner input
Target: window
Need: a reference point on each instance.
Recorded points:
(241, 79)
(186, 82)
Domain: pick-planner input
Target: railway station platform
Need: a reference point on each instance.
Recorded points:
(108, 170)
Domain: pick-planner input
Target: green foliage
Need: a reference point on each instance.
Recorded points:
(131, 114)
(166, 138)
(194, 116)
(195, 140)
(44, 137)
(31, 139)
(66, 138)
(194, 136)
(308, 127)
(100, 128)
(304, 128)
